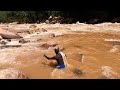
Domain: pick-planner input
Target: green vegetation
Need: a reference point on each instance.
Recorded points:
(26, 16)
(64, 16)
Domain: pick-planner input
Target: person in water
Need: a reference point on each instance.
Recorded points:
(60, 57)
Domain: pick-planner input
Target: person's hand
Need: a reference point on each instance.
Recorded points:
(44, 55)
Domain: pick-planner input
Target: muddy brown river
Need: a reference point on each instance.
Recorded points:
(91, 55)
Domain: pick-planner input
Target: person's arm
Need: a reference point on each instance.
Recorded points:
(50, 58)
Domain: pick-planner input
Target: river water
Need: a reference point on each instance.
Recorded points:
(89, 56)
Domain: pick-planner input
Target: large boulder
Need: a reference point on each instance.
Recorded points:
(32, 26)
(8, 35)
(11, 73)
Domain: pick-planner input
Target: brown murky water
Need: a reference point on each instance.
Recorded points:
(88, 55)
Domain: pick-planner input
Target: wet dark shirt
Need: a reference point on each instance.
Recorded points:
(58, 58)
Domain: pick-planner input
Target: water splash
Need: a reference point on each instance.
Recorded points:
(57, 73)
(114, 49)
(7, 56)
(107, 72)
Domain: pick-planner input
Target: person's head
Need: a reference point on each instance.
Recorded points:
(56, 50)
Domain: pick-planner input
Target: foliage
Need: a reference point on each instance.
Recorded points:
(42, 16)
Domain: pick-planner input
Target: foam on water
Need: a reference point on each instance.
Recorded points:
(66, 73)
(107, 71)
(7, 57)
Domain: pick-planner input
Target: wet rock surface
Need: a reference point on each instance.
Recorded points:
(11, 73)
(77, 72)
(46, 46)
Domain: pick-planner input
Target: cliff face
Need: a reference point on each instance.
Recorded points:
(92, 50)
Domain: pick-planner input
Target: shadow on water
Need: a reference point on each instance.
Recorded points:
(77, 46)
(51, 64)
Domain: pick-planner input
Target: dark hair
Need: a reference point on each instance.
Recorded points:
(56, 50)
